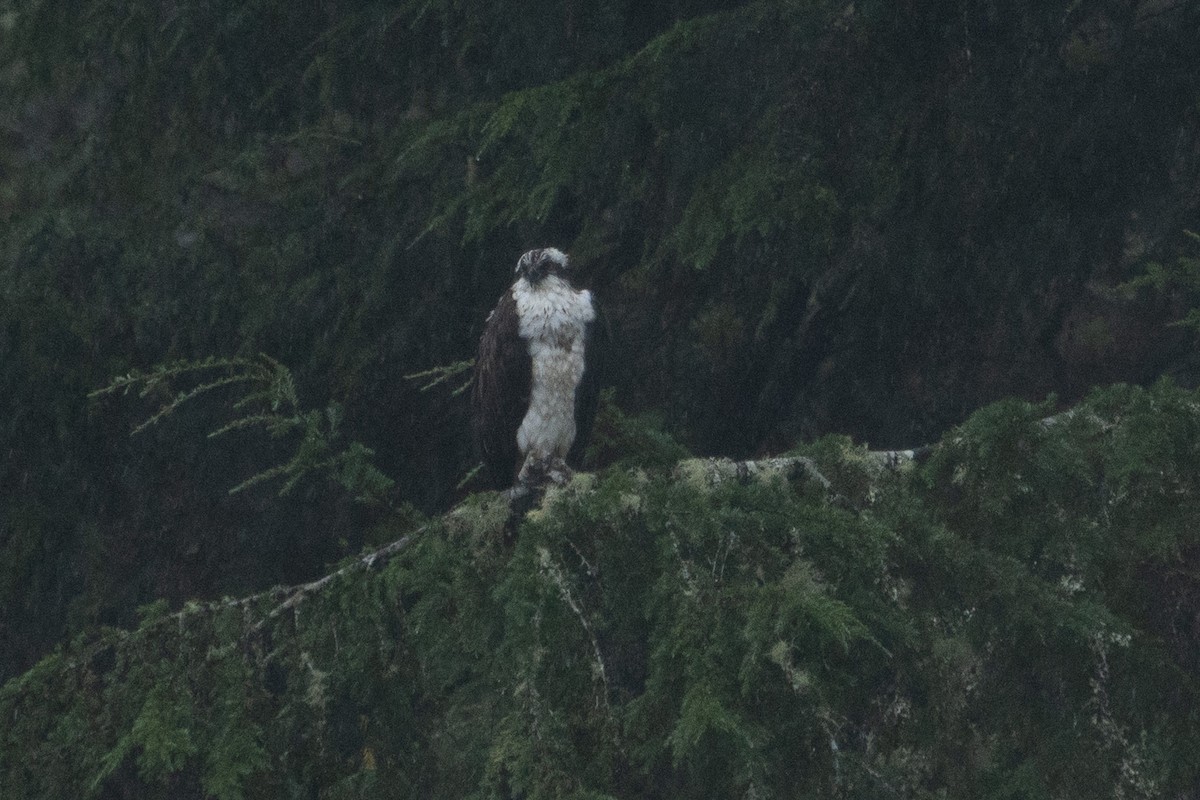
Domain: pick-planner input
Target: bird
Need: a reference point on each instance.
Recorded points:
(536, 377)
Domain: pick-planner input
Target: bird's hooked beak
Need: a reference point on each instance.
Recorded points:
(537, 270)
(537, 264)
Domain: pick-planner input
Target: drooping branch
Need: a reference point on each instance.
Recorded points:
(521, 499)
(269, 401)
(295, 595)
(516, 502)
(431, 378)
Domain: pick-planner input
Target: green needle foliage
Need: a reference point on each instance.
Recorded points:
(1181, 278)
(270, 402)
(1011, 619)
(801, 216)
(804, 216)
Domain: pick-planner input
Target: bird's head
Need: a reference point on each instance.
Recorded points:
(537, 264)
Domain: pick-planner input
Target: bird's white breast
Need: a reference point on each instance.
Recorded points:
(552, 317)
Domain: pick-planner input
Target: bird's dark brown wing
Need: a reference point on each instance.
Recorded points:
(500, 392)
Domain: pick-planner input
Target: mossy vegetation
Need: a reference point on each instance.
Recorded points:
(1011, 618)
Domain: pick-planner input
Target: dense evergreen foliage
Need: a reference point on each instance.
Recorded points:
(1012, 619)
(803, 217)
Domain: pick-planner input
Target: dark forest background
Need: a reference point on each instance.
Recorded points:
(802, 218)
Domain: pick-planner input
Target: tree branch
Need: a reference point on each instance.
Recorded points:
(295, 595)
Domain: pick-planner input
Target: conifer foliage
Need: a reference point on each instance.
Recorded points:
(803, 217)
(1011, 619)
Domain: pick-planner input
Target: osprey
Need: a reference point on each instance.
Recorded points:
(536, 375)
